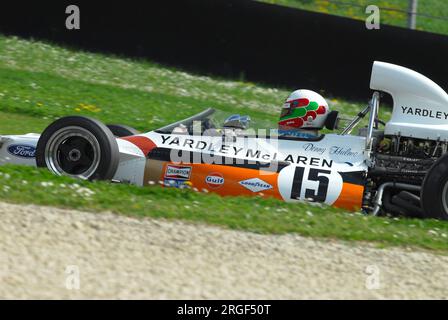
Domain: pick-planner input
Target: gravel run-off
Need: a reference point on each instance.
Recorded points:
(50, 253)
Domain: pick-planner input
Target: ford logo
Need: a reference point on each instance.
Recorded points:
(21, 150)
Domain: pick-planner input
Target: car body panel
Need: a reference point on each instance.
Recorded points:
(290, 170)
(18, 149)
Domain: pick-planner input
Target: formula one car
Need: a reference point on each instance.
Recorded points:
(401, 169)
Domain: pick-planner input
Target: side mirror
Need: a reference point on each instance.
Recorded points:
(331, 123)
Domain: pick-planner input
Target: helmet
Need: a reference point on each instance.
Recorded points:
(304, 109)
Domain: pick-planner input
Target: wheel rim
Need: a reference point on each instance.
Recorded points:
(73, 151)
(445, 197)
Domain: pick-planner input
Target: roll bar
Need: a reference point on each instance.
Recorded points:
(373, 107)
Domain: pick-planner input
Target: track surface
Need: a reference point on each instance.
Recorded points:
(121, 257)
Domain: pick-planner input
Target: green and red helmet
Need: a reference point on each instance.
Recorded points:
(304, 109)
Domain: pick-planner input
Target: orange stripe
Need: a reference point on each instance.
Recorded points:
(232, 176)
(350, 197)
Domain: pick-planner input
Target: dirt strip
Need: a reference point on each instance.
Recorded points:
(53, 253)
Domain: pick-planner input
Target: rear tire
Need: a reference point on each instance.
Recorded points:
(434, 193)
(120, 130)
(79, 147)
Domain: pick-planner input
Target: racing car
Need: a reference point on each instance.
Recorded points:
(398, 167)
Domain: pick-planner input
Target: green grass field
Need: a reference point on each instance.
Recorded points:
(45, 82)
(434, 8)
(41, 82)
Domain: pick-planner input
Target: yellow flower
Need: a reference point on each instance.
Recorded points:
(89, 107)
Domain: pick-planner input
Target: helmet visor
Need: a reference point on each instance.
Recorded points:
(286, 110)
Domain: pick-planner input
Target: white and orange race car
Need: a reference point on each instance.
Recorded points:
(400, 169)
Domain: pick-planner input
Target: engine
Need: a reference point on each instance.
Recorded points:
(403, 159)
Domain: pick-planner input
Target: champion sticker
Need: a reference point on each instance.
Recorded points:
(214, 180)
(177, 172)
(255, 185)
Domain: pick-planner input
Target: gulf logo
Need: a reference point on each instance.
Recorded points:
(214, 180)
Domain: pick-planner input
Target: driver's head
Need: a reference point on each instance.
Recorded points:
(303, 110)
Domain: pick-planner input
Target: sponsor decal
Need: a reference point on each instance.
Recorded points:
(177, 172)
(216, 148)
(427, 113)
(310, 161)
(21, 150)
(255, 185)
(214, 180)
(176, 183)
(242, 153)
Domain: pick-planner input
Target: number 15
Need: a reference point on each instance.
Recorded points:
(313, 175)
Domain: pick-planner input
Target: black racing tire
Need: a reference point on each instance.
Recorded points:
(120, 130)
(434, 192)
(80, 147)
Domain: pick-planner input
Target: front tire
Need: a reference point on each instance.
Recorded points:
(434, 193)
(79, 147)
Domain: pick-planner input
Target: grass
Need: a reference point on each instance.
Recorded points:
(434, 8)
(30, 185)
(10, 123)
(45, 81)
(40, 82)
